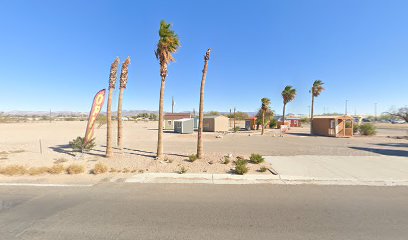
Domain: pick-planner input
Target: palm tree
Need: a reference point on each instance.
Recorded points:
(123, 83)
(112, 83)
(288, 95)
(317, 88)
(167, 45)
(201, 111)
(266, 102)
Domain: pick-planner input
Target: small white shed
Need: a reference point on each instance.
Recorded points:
(185, 125)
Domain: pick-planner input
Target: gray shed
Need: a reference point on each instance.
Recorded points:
(185, 125)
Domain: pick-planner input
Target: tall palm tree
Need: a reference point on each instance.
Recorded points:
(123, 83)
(167, 45)
(266, 102)
(201, 111)
(317, 89)
(112, 83)
(288, 95)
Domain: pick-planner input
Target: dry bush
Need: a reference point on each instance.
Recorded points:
(100, 168)
(125, 170)
(112, 170)
(56, 169)
(75, 169)
(60, 160)
(12, 170)
(37, 170)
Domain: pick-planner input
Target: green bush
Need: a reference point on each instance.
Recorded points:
(78, 144)
(356, 128)
(263, 169)
(273, 123)
(192, 157)
(226, 160)
(236, 129)
(256, 158)
(368, 129)
(241, 166)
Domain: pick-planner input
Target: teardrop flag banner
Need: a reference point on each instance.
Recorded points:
(97, 105)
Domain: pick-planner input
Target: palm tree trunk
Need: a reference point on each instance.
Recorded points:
(120, 123)
(109, 150)
(284, 110)
(263, 122)
(200, 150)
(311, 115)
(161, 120)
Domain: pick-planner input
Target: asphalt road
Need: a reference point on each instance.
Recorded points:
(182, 211)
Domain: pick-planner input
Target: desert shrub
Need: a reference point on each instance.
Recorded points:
(241, 166)
(182, 170)
(256, 158)
(192, 157)
(368, 129)
(236, 129)
(101, 120)
(273, 123)
(75, 169)
(305, 120)
(13, 170)
(56, 169)
(226, 160)
(60, 160)
(125, 170)
(356, 128)
(79, 144)
(37, 170)
(100, 168)
(263, 169)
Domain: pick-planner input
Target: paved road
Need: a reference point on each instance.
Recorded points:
(182, 211)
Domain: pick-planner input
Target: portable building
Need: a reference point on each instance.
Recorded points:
(333, 126)
(215, 124)
(185, 125)
(250, 123)
(169, 119)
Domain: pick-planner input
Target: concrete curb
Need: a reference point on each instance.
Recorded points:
(192, 178)
(44, 185)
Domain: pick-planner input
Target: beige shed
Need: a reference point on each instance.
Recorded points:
(215, 124)
(333, 126)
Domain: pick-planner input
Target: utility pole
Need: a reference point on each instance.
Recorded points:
(172, 104)
(346, 108)
(375, 112)
(230, 117)
(234, 118)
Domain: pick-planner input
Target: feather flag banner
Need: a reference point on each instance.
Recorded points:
(97, 105)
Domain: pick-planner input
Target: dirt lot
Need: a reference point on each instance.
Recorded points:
(20, 144)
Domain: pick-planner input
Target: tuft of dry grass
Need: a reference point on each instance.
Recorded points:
(17, 151)
(37, 170)
(12, 170)
(56, 169)
(112, 170)
(75, 169)
(100, 168)
(60, 160)
(125, 170)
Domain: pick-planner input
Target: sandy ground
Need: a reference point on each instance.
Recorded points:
(43, 143)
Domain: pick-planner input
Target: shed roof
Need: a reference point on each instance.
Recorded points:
(175, 116)
(215, 116)
(332, 117)
(184, 119)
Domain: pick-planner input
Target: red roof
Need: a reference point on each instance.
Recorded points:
(176, 116)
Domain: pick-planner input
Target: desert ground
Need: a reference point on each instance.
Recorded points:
(45, 143)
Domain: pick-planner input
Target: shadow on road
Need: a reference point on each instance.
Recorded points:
(388, 152)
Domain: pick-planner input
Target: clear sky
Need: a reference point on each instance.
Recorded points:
(57, 54)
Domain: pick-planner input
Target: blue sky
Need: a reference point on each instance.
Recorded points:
(56, 54)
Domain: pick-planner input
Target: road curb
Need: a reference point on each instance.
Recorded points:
(255, 179)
